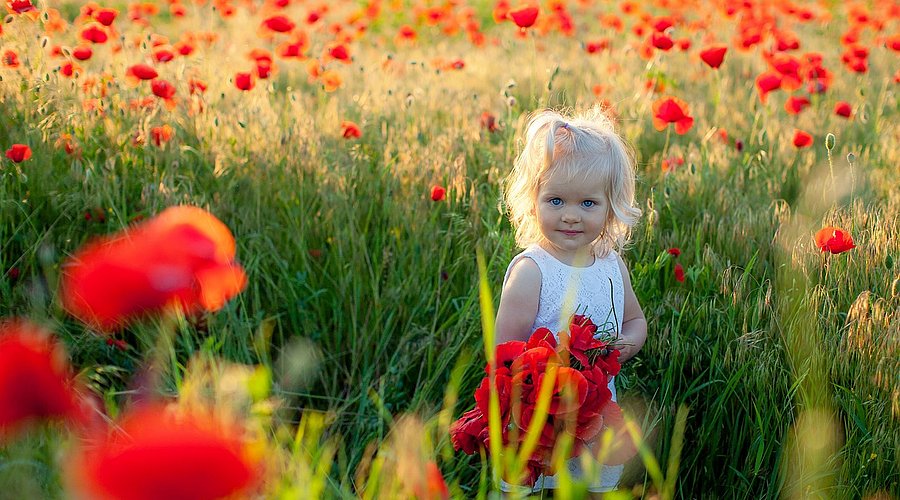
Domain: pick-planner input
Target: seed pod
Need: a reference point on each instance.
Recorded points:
(829, 141)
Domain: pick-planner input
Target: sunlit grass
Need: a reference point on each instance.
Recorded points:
(765, 340)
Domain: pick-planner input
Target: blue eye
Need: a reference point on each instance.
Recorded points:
(587, 203)
(555, 202)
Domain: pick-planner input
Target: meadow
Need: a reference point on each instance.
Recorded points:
(319, 141)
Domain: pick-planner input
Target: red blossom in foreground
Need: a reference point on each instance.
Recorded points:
(674, 251)
(668, 110)
(181, 259)
(350, 130)
(18, 153)
(524, 16)
(157, 454)
(35, 380)
(802, 139)
(438, 193)
(834, 239)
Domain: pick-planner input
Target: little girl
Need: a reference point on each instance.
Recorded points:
(570, 197)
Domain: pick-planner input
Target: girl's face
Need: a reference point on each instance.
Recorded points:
(571, 214)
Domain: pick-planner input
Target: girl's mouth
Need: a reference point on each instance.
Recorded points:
(570, 233)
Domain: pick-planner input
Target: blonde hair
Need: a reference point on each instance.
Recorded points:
(581, 146)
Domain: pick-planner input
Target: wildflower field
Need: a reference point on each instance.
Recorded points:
(251, 249)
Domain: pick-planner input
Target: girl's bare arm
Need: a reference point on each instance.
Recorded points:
(634, 324)
(518, 302)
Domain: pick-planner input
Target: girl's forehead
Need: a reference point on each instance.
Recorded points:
(562, 182)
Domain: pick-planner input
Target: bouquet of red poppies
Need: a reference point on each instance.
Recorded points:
(579, 367)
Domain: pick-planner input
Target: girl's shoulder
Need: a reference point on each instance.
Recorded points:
(525, 265)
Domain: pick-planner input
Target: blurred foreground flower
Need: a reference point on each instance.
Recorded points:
(35, 380)
(834, 240)
(157, 453)
(182, 258)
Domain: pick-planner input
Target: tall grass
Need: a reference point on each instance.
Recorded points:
(767, 342)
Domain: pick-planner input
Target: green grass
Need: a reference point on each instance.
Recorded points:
(763, 331)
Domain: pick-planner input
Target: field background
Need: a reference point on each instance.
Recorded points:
(787, 358)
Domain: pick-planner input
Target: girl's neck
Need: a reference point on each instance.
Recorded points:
(582, 257)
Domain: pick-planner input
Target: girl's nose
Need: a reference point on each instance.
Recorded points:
(569, 217)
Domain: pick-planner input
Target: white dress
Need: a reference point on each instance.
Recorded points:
(596, 291)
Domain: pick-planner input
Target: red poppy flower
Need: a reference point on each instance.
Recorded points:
(438, 193)
(623, 446)
(197, 86)
(569, 390)
(524, 16)
(834, 239)
(406, 33)
(668, 110)
(35, 380)
(464, 432)
(157, 454)
(713, 55)
(350, 130)
(94, 34)
(802, 139)
(679, 273)
(11, 59)
(842, 108)
(82, 53)
(767, 82)
(339, 52)
(794, 104)
(279, 24)
(182, 258)
(596, 46)
(244, 81)
(163, 54)
(661, 41)
(162, 89)
(488, 121)
(162, 134)
(18, 153)
(105, 16)
(20, 6)
(674, 251)
(141, 72)
(184, 47)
